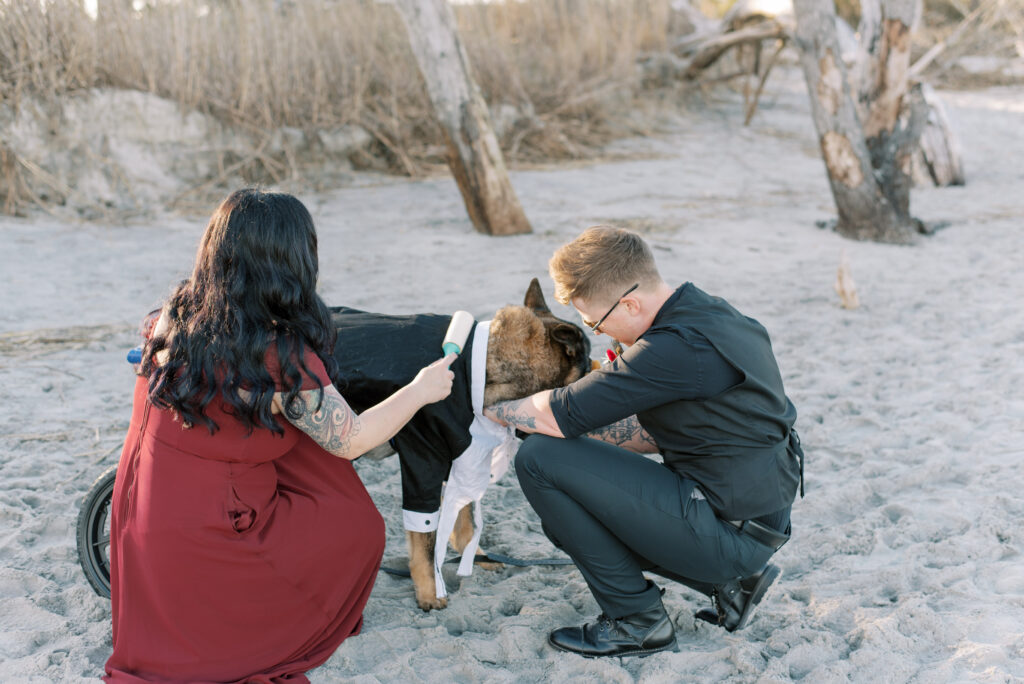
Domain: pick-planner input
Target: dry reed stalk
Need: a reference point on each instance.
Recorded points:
(10, 181)
(845, 287)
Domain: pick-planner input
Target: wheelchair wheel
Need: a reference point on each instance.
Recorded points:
(94, 532)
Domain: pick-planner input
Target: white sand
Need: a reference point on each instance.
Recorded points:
(905, 564)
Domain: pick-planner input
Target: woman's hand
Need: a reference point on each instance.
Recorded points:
(341, 432)
(434, 382)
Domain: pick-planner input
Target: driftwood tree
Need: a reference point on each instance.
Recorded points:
(879, 128)
(869, 133)
(473, 152)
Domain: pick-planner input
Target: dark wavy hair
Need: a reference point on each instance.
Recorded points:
(254, 283)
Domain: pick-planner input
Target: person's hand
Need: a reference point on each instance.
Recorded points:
(434, 382)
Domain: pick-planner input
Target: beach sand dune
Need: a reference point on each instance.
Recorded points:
(905, 564)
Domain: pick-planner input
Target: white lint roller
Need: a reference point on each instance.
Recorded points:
(458, 331)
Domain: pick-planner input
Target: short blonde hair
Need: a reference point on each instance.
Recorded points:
(601, 262)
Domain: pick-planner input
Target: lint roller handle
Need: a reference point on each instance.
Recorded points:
(458, 332)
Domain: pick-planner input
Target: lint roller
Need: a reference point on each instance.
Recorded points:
(458, 331)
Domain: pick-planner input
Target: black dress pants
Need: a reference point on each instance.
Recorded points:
(617, 513)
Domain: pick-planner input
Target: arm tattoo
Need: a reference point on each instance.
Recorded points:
(333, 426)
(627, 433)
(514, 413)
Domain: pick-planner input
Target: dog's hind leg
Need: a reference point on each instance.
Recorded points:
(421, 568)
(463, 531)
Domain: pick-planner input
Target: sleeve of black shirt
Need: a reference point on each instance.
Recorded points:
(664, 365)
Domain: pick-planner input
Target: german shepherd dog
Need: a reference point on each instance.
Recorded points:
(528, 350)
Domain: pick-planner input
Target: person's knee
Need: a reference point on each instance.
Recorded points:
(550, 535)
(531, 455)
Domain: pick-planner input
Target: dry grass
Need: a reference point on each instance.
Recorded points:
(561, 74)
(564, 68)
(988, 28)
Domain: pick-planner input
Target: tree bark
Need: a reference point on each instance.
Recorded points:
(885, 70)
(473, 152)
(939, 151)
(868, 167)
(884, 96)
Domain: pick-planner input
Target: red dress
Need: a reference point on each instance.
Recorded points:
(234, 558)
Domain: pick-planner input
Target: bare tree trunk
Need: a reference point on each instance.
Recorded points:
(473, 152)
(939, 152)
(884, 96)
(868, 167)
(885, 70)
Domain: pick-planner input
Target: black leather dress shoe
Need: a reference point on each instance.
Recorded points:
(737, 600)
(641, 633)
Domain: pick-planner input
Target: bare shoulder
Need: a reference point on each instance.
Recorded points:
(161, 325)
(160, 328)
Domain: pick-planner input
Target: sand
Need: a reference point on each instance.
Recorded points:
(905, 564)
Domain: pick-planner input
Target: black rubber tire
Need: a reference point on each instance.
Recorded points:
(93, 534)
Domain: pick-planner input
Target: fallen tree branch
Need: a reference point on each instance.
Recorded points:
(709, 51)
(705, 51)
(752, 104)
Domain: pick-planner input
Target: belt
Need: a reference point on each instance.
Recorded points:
(761, 533)
(758, 531)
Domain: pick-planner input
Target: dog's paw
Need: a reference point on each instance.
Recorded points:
(488, 565)
(432, 604)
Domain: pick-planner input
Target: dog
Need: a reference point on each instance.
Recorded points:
(528, 348)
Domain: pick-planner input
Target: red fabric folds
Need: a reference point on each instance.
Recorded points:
(234, 557)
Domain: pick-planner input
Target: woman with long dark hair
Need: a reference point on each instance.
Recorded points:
(243, 544)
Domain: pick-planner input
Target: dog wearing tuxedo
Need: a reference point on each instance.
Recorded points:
(522, 350)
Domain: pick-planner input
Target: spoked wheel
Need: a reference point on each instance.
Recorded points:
(94, 532)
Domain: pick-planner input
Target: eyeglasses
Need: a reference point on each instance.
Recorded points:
(595, 326)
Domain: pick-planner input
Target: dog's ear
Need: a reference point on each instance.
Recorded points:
(535, 298)
(570, 337)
